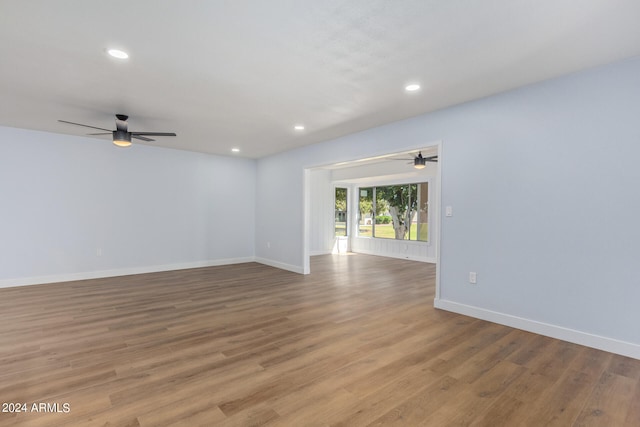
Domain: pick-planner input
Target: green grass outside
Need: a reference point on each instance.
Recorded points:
(386, 231)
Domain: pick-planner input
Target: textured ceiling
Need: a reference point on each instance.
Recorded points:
(225, 74)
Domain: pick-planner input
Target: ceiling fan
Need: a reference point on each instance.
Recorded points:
(122, 136)
(420, 162)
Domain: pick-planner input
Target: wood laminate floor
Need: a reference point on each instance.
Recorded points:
(355, 343)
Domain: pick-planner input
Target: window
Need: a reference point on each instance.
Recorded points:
(394, 212)
(341, 212)
(365, 212)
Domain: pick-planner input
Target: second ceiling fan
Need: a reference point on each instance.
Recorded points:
(420, 162)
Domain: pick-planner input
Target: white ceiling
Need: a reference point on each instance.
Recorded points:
(225, 74)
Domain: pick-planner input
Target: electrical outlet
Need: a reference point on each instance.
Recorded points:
(98, 251)
(473, 277)
(268, 245)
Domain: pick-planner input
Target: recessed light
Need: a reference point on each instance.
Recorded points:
(412, 87)
(299, 127)
(235, 150)
(116, 53)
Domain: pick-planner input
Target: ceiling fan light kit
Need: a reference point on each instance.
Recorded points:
(419, 162)
(121, 138)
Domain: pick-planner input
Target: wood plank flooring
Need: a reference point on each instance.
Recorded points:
(355, 343)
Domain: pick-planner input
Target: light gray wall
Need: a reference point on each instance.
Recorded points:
(543, 184)
(279, 219)
(63, 198)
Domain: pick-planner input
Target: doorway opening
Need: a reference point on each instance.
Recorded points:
(385, 205)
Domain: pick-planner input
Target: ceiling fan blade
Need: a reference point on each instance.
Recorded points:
(154, 133)
(87, 126)
(101, 133)
(431, 159)
(142, 138)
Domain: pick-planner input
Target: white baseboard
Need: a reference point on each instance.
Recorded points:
(280, 265)
(571, 335)
(40, 280)
(316, 253)
(390, 255)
